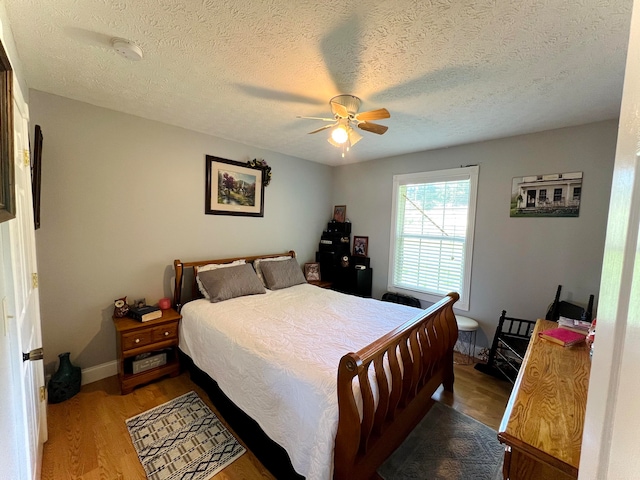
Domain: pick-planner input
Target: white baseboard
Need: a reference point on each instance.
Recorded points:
(93, 374)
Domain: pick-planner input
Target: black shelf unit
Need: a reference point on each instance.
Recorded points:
(355, 281)
(347, 273)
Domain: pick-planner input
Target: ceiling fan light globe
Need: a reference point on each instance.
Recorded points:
(339, 134)
(333, 142)
(354, 137)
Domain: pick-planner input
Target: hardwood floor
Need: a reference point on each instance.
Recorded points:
(477, 395)
(88, 438)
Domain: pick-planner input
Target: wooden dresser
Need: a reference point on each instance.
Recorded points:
(542, 425)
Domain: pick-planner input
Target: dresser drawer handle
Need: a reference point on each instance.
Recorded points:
(137, 340)
(166, 334)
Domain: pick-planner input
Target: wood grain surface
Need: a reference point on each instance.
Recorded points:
(545, 414)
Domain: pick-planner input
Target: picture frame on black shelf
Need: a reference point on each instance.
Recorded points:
(360, 246)
(340, 213)
(312, 271)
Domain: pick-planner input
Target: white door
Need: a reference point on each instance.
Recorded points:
(21, 310)
(610, 442)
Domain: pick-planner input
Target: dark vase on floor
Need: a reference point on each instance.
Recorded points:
(65, 383)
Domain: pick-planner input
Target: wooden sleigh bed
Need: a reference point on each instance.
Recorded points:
(383, 389)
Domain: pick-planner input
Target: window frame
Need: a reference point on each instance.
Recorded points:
(471, 173)
(577, 193)
(542, 195)
(557, 194)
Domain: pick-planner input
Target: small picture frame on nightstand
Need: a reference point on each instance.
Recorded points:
(140, 303)
(312, 271)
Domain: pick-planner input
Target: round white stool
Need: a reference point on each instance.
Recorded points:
(466, 344)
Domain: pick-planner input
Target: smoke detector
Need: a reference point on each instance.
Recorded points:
(127, 49)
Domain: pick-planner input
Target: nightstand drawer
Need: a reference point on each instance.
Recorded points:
(136, 339)
(164, 332)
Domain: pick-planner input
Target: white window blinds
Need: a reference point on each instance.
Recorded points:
(432, 233)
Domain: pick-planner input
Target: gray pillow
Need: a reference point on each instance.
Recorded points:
(259, 261)
(282, 274)
(231, 282)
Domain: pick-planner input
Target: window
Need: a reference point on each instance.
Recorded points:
(576, 193)
(557, 194)
(543, 195)
(432, 233)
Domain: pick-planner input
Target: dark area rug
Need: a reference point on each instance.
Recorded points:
(449, 445)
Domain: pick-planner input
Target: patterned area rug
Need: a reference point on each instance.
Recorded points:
(182, 439)
(449, 445)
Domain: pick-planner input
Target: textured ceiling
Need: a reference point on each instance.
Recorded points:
(449, 71)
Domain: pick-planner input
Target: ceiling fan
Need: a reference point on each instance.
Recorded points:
(346, 117)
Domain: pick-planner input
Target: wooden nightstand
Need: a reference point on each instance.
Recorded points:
(320, 283)
(135, 338)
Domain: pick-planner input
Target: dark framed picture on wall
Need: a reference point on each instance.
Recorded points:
(360, 246)
(36, 162)
(233, 188)
(7, 172)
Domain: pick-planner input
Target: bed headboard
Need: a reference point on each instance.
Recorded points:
(185, 269)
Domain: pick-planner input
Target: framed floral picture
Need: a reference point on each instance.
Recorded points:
(233, 188)
(360, 246)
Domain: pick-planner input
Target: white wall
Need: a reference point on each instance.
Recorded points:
(517, 262)
(122, 197)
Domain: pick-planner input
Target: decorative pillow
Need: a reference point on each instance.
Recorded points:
(231, 282)
(212, 266)
(257, 265)
(282, 274)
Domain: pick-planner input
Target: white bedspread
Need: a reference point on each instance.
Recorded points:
(276, 356)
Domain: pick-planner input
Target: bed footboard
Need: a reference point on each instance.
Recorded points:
(419, 355)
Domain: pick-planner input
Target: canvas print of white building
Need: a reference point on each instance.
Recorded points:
(552, 195)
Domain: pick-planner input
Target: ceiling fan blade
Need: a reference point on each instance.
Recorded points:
(339, 109)
(373, 127)
(378, 114)
(321, 129)
(317, 118)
